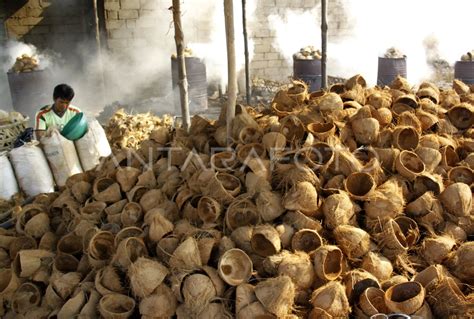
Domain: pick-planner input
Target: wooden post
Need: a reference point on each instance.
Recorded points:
(231, 75)
(98, 40)
(246, 52)
(324, 41)
(183, 81)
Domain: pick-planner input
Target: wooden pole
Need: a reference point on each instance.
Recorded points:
(231, 75)
(98, 39)
(246, 52)
(183, 81)
(324, 39)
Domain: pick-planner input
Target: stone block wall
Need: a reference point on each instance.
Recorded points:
(48, 24)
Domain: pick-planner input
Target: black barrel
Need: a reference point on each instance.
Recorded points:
(389, 69)
(197, 84)
(464, 71)
(30, 91)
(308, 71)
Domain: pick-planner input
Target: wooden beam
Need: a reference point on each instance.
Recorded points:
(324, 41)
(231, 74)
(246, 52)
(182, 79)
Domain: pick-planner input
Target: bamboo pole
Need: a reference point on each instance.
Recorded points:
(246, 52)
(98, 40)
(231, 75)
(324, 39)
(183, 81)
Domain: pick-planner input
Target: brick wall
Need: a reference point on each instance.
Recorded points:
(268, 62)
(48, 24)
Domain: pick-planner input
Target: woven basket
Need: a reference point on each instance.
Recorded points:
(9, 133)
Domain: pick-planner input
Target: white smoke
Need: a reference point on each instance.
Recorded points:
(376, 25)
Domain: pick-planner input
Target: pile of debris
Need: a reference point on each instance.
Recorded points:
(308, 53)
(25, 63)
(326, 205)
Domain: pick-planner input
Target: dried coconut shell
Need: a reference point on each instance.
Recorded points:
(186, 256)
(366, 130)
(159, 225)
(162, 303)
(208, 209)
(254, 310)
(338, 210)
(302, 197)
(73, 306)
(107, 281)
(353, 241)
(356, 281)
(65, 263)
(328, 262)
(406, 297)
(307, 240)
(38, 225)
(235, 267)
(461, 174)
(462, 260)
(90, 307)
(269, 205)
(455, 231)
(377, 265)
(9, 283)
(128, 232)
(274, 143)
(330, 102)
(65, 284)
(430, 157)
(106, 190)
(409, 165)
(241, 212)
(145, 276)
(115, 306)
(405, 138)
(454, 301)
(265, 240)
(25, 298)
(198, 290)
(387, 201)
(132, 214)
(332, 299)
(101, 248)
(372, 301)
(462, 116)
(30, 261)
(321, 130)
(359, 185)
(276, 295)
(457, 198)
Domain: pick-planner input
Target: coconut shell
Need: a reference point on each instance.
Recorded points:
(359, 185)
(101, 248)
(9, 282)
(447, 299)
(198, 290)
(353, 241)
(65, 284)
(106, 190)
(286, 233)
(338, 210)
(107, 281)
(377, 265)
(302, 197)
(265, 240)
(160, 226)
(29, 261)
(461, 174)
(457, 198)
(235, 267)
(307, 240)
(114, 306)
(406, 297)
(127, 177)
(131, 215)
(300, 221)
(269, 205)
(356, 281)
(332, 299)
(430, 157)
(462, 260)
(73, 306)
(462, 116)
(25, 298)
(328, 262)
(186, 256)
(372, 301)
(405, 138)
(409, 165)
(297, 266)
(254, 310)
(276, 295)
(162, 303)
(145, 276)
(208, 209)
(387, 201)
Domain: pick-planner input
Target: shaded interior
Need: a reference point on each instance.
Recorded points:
(308, 241)
(321, 127)
(413, 162)
(359, 184)
(321, 153)
(262, 245)
(408, 139)
(333, 263)
(104, 183)
(406, 291)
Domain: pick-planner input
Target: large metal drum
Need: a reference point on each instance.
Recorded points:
(197, 84)
(389, 69)
(30, 91)
(308, 71)
(464, 71)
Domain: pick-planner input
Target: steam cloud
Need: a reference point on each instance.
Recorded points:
(376, 25)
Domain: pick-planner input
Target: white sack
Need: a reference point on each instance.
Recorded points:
(92, 146)
(8, 184)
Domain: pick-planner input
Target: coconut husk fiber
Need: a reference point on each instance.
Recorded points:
(276, 295)
(332, 299)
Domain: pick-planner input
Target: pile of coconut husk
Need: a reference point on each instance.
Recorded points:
(126, 130)
(348, 202)
(25, 63)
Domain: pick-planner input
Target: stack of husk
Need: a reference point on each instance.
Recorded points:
(371, 214)
(129, 131)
